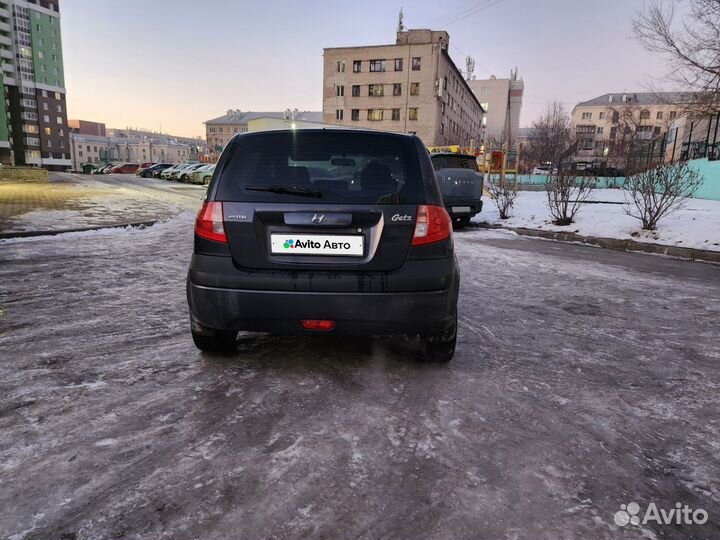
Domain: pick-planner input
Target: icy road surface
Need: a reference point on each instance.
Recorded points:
(584, 379)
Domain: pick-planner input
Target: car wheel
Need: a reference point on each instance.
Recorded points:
(222, 342)
(440, 347)
(211, 340)
(462, 222)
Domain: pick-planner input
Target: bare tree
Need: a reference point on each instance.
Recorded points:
(690, 43)
(566, 192)
(550, 139)
(503, 194)
(654, 193)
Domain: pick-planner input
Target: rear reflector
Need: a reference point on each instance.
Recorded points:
(209, 222)
(433, 224)
(317, 324)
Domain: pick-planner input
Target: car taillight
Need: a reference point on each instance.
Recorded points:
(209, 222)
(318, 324)
(433, 224)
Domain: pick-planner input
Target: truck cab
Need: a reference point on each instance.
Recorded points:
(461, 185)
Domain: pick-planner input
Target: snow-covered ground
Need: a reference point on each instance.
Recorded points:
(695, 225)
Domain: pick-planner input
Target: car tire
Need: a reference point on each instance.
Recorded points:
(462, 222)
(440, 347)
(218, 342)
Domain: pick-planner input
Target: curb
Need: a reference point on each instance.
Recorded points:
(29, 234)
(614, 243)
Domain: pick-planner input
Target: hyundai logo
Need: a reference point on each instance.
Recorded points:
(317, 218)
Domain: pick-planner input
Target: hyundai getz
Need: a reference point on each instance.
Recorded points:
(324, 231)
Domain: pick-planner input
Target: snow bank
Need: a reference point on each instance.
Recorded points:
(696, 225)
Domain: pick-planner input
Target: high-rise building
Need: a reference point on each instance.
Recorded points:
(411, 86)
(502, 101)
(33, 112)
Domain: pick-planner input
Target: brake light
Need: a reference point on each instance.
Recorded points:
(317, 324)
(209, 222)
(433, 224)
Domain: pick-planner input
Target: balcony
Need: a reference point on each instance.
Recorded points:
(4, 13)
(7, 68)
(6, 53)
(5, 40)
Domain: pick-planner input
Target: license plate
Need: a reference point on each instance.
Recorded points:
(461, 209)
(316, 244)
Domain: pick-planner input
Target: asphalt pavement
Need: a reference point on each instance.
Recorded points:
(584, 379)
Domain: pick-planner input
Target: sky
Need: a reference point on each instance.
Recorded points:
(169, 65)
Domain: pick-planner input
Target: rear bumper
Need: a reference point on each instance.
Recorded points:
(362, 313)
(463, 207)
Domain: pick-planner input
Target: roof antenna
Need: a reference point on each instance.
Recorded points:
(400, 26)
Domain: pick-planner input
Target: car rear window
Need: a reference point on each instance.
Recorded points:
(454, 162)
(331, 167)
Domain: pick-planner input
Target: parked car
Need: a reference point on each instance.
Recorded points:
(545, 169)
(143, 167)
(166, 174)
(104, 169)
(158, 167)
(203, 174)
(364, 246)
(461, 185)
(184, 174)
(124, 168)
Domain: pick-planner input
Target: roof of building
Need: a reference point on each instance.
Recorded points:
(244, 117)
(638, 98)
(124, 140)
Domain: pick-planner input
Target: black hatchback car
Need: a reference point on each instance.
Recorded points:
(324, 231)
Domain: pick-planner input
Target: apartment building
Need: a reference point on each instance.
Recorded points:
(412, 86)
(33, 112)
(86, 127)
(609, 127)
(502, 101)
(219, 131)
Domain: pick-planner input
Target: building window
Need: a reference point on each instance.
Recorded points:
(212, 130)
(585, 116)
(600, 130)
(221, 130)
(673, 114)
(357, 66)
(338, 114)
(412, 113)
(615, 117)
(659, 115)
(416, 63)
(377, 65)
(57, 95)
(601, 116)
(341, 66)
(46, 118)
(376, 90)
(375, 114)
(355, 114)
(644, 115)
(59, 120)
(398, 64)
(356, 90)
(396, 114)
(397, 89)
(415, 89)
(340, 90)
(41, 55)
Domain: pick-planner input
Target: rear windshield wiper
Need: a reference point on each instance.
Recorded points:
(287, 190)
